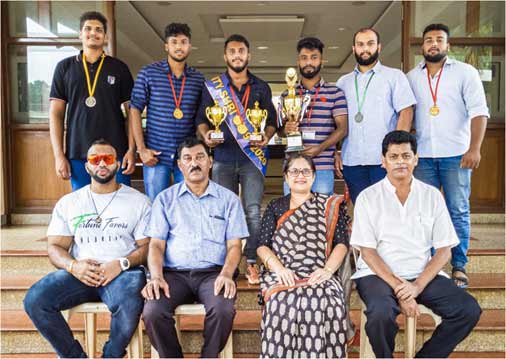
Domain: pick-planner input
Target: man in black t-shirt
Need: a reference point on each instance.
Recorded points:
(90, 87)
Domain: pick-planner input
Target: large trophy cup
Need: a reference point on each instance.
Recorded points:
(216, 115)
(256, 116)
(293, 108)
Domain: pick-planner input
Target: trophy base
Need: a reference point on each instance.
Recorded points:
(256, 137)
(216, 136)
(294, 143)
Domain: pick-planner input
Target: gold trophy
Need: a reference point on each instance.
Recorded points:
(293, 108)
(216, 114)
(256, 116)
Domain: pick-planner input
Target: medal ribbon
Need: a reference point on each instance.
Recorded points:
(91, 90)
(177, 101)
(313, 101)
(432, 92)
(244, 99)
(364, 94)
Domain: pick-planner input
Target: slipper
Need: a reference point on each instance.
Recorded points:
(460, 278)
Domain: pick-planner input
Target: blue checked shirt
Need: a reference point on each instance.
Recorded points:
(196, 228)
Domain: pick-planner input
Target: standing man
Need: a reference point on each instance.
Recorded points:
(324, 123)
(96, 240)
(170, 90)
(450, 120)
(191, 262)
(239, 161)
(90, 88)
(379, 100)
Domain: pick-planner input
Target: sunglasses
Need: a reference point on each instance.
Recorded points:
(96, 159)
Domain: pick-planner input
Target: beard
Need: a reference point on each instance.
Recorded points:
(435, 58)
(106, 179)
(310, 74)
(237, 69)
(183, 59)
(366, 62)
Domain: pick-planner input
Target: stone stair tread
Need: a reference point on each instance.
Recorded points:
(245, 320)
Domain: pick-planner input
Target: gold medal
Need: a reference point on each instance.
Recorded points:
(237, 120)
(178, 114)
(434, 110)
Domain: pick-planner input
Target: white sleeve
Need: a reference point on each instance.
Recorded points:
(362, 233)
(143, 221)
(59, 225)
(443, 232)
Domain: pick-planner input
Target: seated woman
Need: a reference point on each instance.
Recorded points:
(302, 243)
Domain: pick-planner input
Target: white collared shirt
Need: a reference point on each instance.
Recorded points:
(388, 93)
(402, 234)
(460, 97)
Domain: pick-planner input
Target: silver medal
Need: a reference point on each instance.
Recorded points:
(359, 117)
(91, 101)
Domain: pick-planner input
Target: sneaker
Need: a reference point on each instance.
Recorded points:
(252, 274)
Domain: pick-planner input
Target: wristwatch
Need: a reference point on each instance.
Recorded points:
(124, 263)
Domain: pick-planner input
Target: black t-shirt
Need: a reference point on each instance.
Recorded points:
(106, 119)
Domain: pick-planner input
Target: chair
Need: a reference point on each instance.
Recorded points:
(90, 310)
(194, 309)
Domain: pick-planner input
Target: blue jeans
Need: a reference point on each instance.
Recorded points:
(157, 178)
(323, 183)
(60, 290)
(80, 178)
(358, 178)
(446, 174)
(230, 175)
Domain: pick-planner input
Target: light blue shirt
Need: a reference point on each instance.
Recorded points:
(460, 97)
(196, 228)
(387, 95)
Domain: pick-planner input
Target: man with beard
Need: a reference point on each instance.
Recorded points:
(451, 119)
(89, 90)
(324, 123)
(171, 91)
(190, 262)
(96, 240)
(239, 161)
(379, 101)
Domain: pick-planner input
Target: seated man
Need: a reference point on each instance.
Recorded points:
(396, 223)
(106, 233)
(196, 228)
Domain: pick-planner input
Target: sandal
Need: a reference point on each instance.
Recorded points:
(461, 277)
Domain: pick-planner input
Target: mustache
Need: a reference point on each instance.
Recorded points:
(196, 168)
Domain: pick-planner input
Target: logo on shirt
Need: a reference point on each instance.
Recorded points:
(111, 79)
(88, 220)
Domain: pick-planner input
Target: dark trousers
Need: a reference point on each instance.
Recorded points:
(458, 310)
(358, 178)
(188, 287)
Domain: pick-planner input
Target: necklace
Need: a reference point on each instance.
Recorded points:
(98, 219)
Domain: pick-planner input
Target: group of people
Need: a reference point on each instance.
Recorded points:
(189, 235)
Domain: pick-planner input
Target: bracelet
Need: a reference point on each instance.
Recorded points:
(266, 262)
(70, 265)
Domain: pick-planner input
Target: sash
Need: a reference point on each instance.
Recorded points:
(240, 127)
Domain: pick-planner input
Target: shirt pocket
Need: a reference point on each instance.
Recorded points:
(218, 228)
(423, 227)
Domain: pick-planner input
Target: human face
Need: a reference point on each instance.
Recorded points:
(366, 48)
(102, 172)
(92, 34)
(237, 56)
(178, 47)
(309, 62)
(435, 46)
(399, 161)
(195, 164)
(300, 183)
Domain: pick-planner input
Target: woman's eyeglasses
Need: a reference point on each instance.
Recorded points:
(294, 172)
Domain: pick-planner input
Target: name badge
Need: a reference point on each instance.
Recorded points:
(308, 135)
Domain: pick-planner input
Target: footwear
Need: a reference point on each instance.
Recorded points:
(252, 274)
(459, 275)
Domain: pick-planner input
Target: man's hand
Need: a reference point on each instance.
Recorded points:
(148, 157)
(62, 167)
(471, 159)
(260, 144)
(409, 308)
(286, 276)
(312, 151)
(109, 271)
(291, 126)
(319, 276)
(211, 143)
(152, 289)
(227, 282)
(128, 164)
(88, 272)
(407, 290)
(338, 162)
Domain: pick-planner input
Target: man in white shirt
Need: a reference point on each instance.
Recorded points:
(396, 223)
(103, 225)
(450, 120)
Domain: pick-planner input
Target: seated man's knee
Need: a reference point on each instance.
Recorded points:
(222, 309)
(154, 311)
(382, 310)
(37, 300)
(470, 309)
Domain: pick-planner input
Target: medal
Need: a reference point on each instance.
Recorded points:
(178, 114)
(434, 110)
(91, 101)
(238, 120)
(359, 117)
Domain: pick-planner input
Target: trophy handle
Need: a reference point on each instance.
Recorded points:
(208, 114)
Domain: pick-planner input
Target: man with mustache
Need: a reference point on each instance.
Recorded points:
(196, 228)
(379, 100)
(324, 123)
(170, 90)
(451, 120)
(96, 240)
(237, 160)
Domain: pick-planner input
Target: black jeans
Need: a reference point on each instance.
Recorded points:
(458, 310)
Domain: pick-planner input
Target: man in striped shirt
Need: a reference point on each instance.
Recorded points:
(171, 91)
(324, 123)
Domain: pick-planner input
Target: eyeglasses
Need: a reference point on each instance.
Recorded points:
(96, 159)
(405, 157)
(294, 172)
(187, 159)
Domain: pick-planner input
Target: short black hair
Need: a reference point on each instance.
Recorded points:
(310, 43)
(101, 142)
(237, 38)
(436, 27)
(93, 15)
(397, 138)
(190, 142)
(296, 156)
(364, 29)
(175, 28)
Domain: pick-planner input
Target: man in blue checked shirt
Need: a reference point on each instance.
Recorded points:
(196, 228)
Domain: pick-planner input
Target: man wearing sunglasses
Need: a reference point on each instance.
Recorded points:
(96, 240)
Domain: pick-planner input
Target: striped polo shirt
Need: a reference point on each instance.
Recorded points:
(330, 103)
(152, 90)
